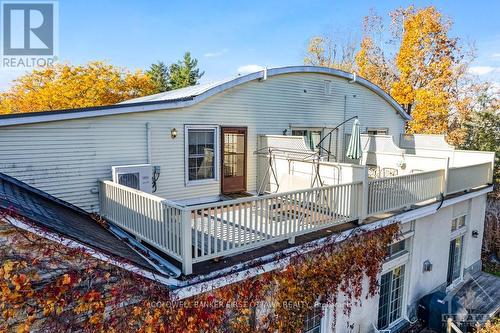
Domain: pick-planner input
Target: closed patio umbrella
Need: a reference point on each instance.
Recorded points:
(354, 148)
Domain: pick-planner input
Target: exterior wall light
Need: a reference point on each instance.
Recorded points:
(173, 133)
(427, 266)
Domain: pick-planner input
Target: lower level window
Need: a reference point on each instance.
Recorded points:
(391, 297)
(312, 323)
(201, 149)
(455, 260)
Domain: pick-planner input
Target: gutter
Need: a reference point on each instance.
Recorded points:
(236, 273)
(132, 107)
(280, 260)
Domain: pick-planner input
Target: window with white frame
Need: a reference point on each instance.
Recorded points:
(377, 131)
(455, 260)
(201, 153)
(395, 249)
(391, 297)
(458, 223)
(312, 323)
(312, 136)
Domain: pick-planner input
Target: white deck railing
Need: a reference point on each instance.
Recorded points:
(388, 194)
(468, 177)
(146, 216)
(226, 227)
(193, 234)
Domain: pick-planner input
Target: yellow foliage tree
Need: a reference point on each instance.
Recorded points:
(426, 73)
(63, 86)
(427, 63)
(331, 51)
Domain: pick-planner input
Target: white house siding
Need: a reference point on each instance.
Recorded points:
(430, 241)
(66, 158)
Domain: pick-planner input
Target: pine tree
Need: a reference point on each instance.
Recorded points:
(158, 73)
(184, 73)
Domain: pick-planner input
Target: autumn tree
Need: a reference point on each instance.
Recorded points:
(335, 50)
(64, 86)
(184, 73)
(158, 73)
(371, 60)
(427, 63)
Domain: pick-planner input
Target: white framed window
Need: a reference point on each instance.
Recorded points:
(458, 222)
(390, 306)
(396, 249)
(455, 261)
(201, 154)
(312, 323)
(377, 131)
(311, 135)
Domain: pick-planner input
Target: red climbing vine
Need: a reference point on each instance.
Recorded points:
(47, 286)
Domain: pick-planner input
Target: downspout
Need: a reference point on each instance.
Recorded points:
(343, 127)
(148, 142)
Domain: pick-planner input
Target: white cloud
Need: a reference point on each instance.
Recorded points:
(496, 55)
(216, 54)
(245, 69)
(481, 70)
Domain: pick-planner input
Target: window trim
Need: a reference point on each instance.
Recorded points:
(463, 227)
(321, 131)
(460, 278)
(215, 179)
(404, 292)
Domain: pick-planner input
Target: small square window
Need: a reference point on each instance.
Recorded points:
(396, 248)
(458, 223)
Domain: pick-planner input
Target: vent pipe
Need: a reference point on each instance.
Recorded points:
(354, 76)
(264, 74)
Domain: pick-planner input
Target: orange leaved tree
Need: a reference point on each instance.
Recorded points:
(64, 86)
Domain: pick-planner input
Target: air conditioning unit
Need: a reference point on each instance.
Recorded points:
(135, 176)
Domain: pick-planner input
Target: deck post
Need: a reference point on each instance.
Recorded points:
(187, 256)
(363, 205)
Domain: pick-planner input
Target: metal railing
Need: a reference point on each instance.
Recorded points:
(388, 194)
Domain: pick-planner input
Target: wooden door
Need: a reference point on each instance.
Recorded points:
(234, 159)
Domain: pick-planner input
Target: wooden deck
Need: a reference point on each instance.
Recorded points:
(481, 294)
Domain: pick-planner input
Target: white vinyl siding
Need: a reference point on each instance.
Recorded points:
(66, 158)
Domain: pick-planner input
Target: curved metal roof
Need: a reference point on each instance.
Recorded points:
(188, 96)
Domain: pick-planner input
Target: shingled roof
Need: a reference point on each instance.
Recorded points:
(62, 218)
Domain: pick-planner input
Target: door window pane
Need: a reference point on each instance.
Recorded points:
(201, 145)
(234, 155)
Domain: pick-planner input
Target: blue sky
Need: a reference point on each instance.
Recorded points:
(228, 35)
